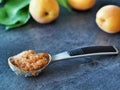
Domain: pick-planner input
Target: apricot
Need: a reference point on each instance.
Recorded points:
(82, 4)
(108, 18)
(44, 11)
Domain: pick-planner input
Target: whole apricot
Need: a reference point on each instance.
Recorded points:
(44, 11)
(82, 4)
(108, 18)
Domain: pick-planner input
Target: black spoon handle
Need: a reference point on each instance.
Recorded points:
(86, 51)
(94, 50)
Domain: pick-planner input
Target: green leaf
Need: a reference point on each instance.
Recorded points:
(1, 1)
(65, 4)
(15, 13)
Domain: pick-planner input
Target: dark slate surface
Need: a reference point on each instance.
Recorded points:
(69, 31)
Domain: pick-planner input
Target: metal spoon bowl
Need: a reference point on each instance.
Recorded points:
(25, 73)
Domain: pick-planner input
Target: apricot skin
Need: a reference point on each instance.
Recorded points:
(44, 11)
(108, 18)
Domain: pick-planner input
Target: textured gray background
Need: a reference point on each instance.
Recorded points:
(69, 31)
